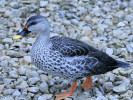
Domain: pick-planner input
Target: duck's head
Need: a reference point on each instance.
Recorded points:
(35, 23)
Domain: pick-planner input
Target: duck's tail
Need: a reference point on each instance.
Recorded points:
(122, 64)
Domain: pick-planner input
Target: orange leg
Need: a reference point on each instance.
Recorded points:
(87, 84)
(65, 95)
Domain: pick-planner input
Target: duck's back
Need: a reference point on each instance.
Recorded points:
(96, 62)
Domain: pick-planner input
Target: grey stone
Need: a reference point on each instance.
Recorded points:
(120, 89)
(43, 3)
(45, 97)
(1, 46)
(66, 22)
(108, 86)
(33, 80)
(44, 87)
(14, 4)
(13, 74)
(1, 88)
(33, 89)
(129, 17)
(22, 70)
(75, 21)
(4, 63)
(8, 91)
(23, 85)
(121, 24)
(31, 73)
(16, 93)
(27, 59)
(8, 40)
(129, 48)
(109, 51)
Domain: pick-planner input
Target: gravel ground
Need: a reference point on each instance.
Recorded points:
(104, 24)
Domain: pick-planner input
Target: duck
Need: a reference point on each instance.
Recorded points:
(65, 57)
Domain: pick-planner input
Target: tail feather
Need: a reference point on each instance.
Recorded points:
(122, 64)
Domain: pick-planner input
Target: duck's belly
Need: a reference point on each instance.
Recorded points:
(55, 64)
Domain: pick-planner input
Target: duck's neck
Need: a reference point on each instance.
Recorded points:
(44, 36)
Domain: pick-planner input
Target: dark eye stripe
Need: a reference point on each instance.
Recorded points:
(33, 23)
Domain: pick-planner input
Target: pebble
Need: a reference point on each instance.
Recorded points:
(129, 17)
(33, 89)
(75, 21)
(14, 4)
(23, 85)
(27, 59)
(108, 86)
(45, 97)
(13, 74)
(16, 93)
(120, 89)
(121, 24)
(109, 51)
(129, 48)
(43, 3)
(32, 73)
(7, 98)
(8, 91)
(34, 80)
(44, 87)
(22, 70)
(1, 88)
(66, 22)
(8, 40)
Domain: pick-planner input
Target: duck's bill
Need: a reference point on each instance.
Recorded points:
(21, 34)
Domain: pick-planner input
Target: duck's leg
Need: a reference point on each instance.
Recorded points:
(87, 84)
(64, 95)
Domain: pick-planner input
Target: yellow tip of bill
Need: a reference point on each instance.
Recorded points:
(17, 37)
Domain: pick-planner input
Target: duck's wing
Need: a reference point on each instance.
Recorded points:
(71, 47)
(95, 61)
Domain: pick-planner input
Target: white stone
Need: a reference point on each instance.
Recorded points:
(117, 32)
(129, 48)
(1, 88)
(108, 86)
(43, 3)
(27, 59)
(131, 44)
(8, 40)
(66, 22)
(75, 21)
(120, 89)
(109, 51)
(13, 74)
(85, 39)
(45, 97)
(22, 70)
(7, 98)
(8, 91)
(23, 85)
(100, 97)
(33, 80)
(14, 4)
(33, 89)
(16, 93)
(31, 73)
(121, 24)
(129, 17)
(44, 87)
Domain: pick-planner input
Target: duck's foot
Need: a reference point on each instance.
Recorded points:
(87, 84)
(65, 95)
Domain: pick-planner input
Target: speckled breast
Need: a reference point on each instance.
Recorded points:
(54, 63)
